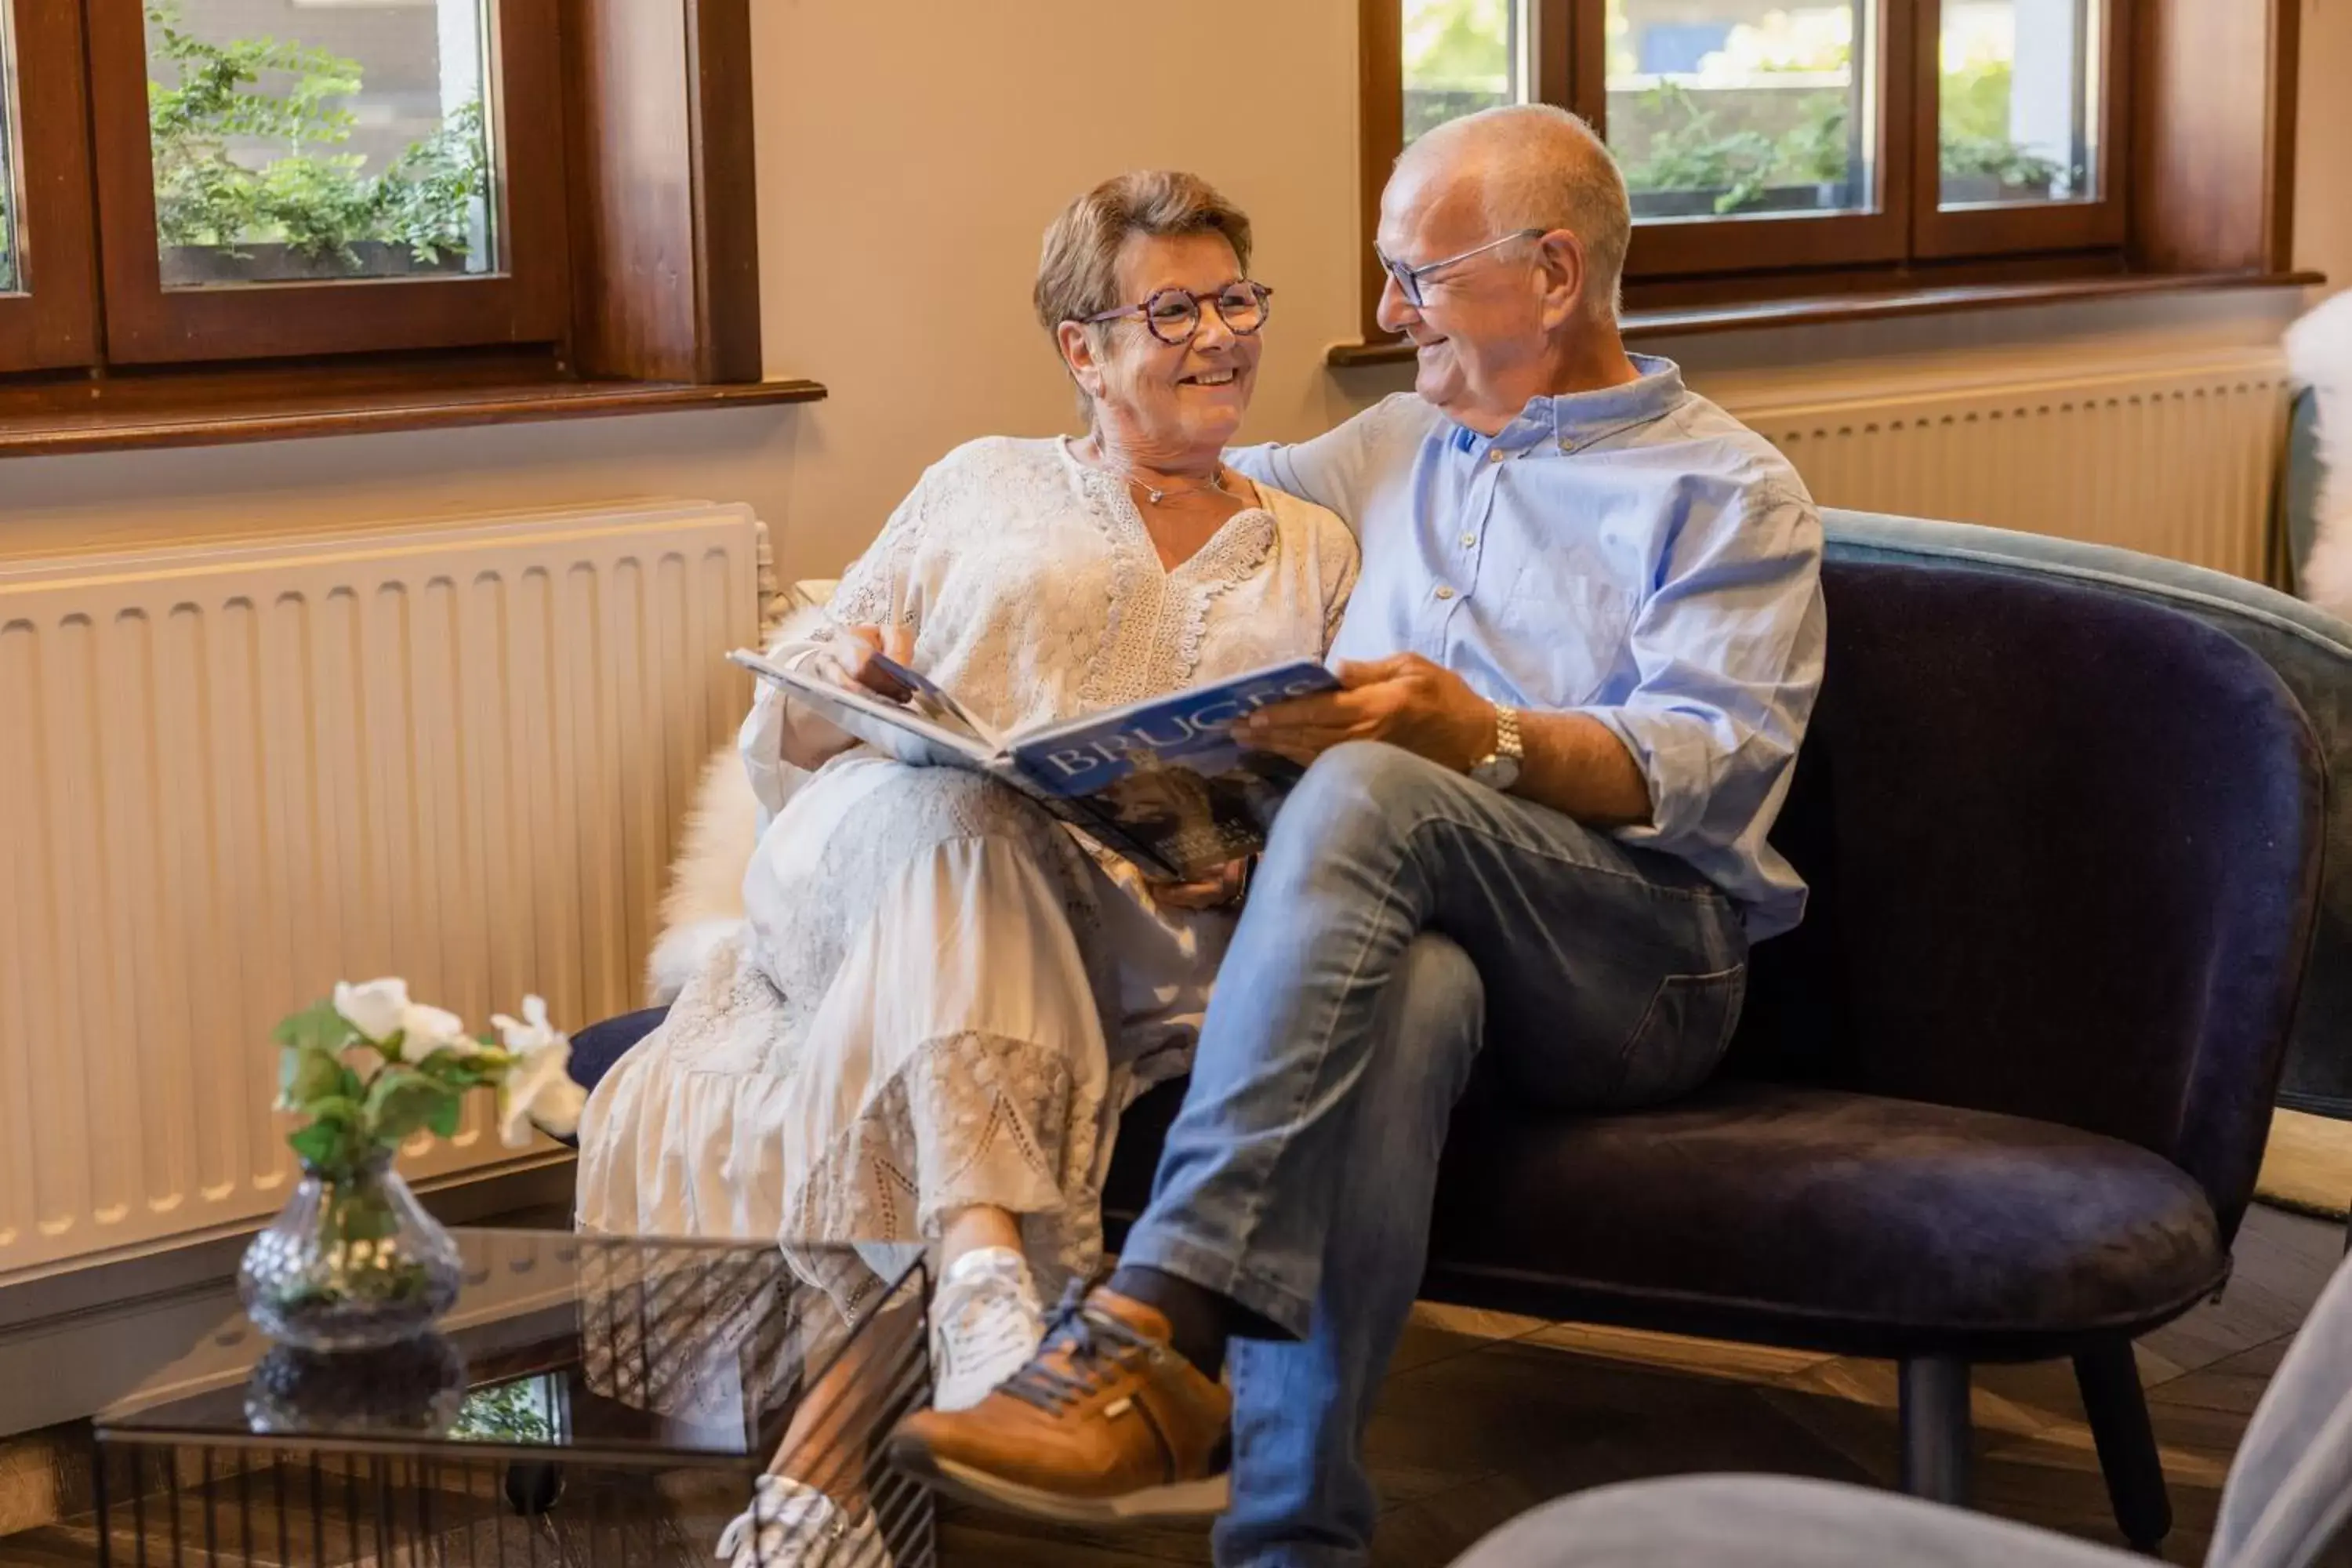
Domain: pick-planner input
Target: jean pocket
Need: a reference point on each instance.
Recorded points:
(1681, 1037)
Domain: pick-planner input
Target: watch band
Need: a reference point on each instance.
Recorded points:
(1499, 769)
(1507, 733)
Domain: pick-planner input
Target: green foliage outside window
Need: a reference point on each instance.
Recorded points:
(1690, 154)
(1974, 134)
(1457, 59)
(309, 197)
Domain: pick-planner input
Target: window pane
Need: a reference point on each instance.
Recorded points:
(298, 140)
(1460, 57)
(10, 201)
(1739, 107)
(2019, 107)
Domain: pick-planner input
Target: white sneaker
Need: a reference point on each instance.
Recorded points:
(986, 1323)
(791, 1524)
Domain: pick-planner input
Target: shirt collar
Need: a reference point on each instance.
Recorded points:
(1575, 420)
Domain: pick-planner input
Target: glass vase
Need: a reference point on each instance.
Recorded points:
(353, 1262)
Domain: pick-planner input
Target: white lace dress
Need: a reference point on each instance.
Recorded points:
(938, 998)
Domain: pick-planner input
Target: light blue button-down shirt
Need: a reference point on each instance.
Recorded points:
(1634, 553)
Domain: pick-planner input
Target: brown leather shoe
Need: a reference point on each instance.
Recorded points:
(1107, 1423)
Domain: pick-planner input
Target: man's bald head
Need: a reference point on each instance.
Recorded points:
(1536, 166)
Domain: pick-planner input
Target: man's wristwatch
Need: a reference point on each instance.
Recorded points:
(1499, 769)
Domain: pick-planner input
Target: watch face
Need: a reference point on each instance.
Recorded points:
(1497, 773)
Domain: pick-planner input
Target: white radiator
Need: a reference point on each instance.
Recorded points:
(2179, 460)
(230, 775)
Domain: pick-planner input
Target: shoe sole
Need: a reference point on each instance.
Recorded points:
(1181, 1500)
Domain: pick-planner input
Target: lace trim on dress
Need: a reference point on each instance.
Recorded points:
(1158, 627)
(1134, 574)
(1232, 554)
(970, 1119)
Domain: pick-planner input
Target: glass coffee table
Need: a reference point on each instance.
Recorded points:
(588, 1400)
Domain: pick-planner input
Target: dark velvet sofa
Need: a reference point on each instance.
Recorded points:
(2003, 1095)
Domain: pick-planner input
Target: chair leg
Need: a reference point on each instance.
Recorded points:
(1936, 1437)
(2117, 1406)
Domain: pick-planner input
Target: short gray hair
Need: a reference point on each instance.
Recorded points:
(1542, 167)
(1077, 275)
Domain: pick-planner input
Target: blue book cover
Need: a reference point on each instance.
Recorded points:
(1160, 781)
(1167, 771)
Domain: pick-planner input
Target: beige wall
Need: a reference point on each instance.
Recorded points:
(909, 160)
(2323, 183)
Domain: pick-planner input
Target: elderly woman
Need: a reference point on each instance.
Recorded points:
(941, 999)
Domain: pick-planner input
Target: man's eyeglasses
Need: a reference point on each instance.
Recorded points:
(1408, 279)
(1173, 315)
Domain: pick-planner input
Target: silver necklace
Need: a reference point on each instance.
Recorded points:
(1156, 494)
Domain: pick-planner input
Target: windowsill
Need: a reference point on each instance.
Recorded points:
(1818, 310)
(60, 419)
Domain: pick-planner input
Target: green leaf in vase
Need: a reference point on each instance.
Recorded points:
(321, 1145)
(317, 1027)
(306, 1073)
(402, 1099)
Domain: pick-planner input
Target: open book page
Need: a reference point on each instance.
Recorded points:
(896, 729)
(933, 701)
(908, 735)
(1160, 781)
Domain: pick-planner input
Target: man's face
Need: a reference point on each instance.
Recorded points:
(1479, 330)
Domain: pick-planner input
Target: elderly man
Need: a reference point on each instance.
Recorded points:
(1582, 656)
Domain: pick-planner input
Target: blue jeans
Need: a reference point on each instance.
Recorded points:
(1298, 1178)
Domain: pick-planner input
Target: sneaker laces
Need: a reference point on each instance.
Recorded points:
(988, 1315)
(1097, 1345)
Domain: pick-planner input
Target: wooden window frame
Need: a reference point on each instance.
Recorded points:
(1705, 247)
(2195, 185)
(647, 192)
(52, 321)
(1938, 232)
(523, 301)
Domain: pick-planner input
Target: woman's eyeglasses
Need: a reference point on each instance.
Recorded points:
(1173, 315)
(1408, 279)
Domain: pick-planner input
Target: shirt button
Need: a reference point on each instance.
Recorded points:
(1495, 455)
(1443, 592)
(1469, 542)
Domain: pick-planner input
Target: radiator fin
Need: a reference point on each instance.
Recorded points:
(2179, 462)
(229, 777)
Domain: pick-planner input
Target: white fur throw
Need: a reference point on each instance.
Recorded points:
(2319, 352)
(704, 904)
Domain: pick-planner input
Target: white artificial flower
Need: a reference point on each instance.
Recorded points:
(538, 1090)
(424, 1030)
(532, 1032)
(375, 1009)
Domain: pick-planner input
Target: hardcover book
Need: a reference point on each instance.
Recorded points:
(1162, 781)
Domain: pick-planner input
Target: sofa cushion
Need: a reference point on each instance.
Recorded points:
(1802, 1217)
(1811, 1214)
(596, 1049)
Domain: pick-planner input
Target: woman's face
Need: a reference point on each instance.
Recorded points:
(1169, 401)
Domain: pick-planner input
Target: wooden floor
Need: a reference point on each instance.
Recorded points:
(1486, 1416)
(1483, 1416)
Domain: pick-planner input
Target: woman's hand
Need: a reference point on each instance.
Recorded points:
(855, 659)
(1221, 892)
